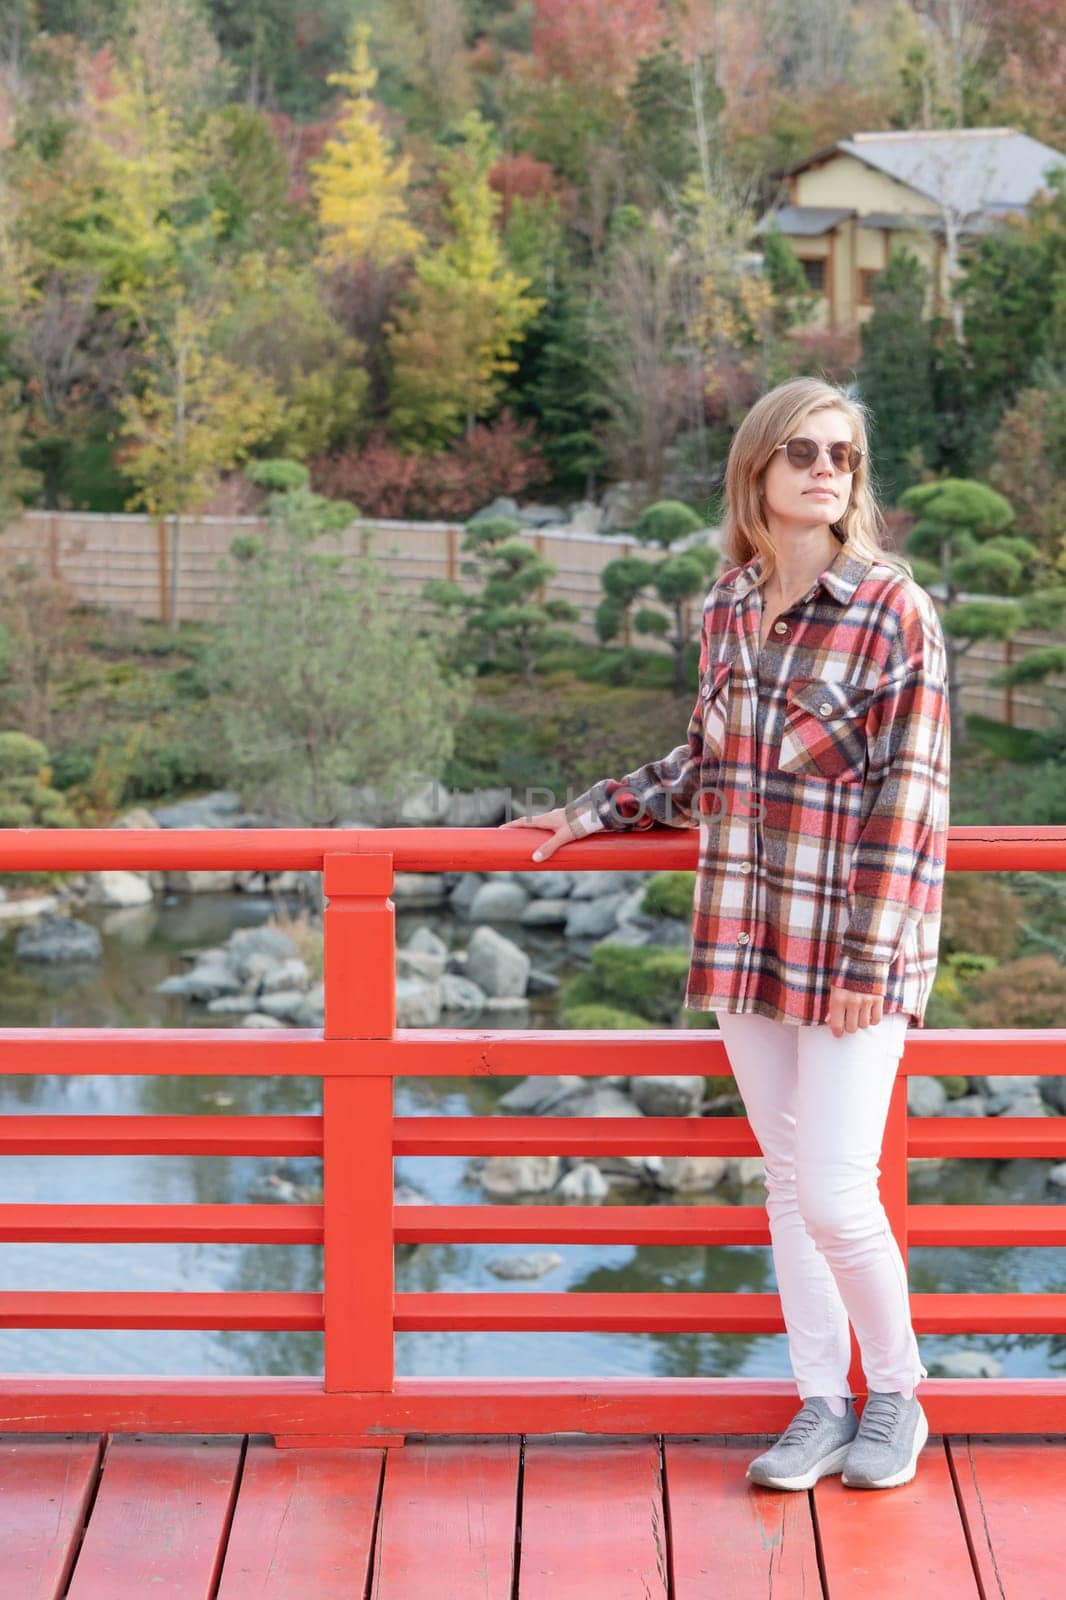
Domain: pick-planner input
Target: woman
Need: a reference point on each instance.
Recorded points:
(816, 768)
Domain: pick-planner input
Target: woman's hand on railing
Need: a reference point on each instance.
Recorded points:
(556, 822)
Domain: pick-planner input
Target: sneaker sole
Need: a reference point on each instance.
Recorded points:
(905, 1474)
(802, 1480)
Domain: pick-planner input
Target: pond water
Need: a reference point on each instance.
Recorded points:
(144, 945)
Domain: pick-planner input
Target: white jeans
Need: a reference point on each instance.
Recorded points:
(817, 1106)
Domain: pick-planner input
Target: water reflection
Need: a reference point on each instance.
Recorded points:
(141, 947)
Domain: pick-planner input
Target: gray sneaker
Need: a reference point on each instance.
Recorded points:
(812, 1446)
(891, 1434)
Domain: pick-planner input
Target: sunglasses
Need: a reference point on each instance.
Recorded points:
(844, 455)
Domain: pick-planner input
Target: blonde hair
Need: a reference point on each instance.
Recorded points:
(772, 419)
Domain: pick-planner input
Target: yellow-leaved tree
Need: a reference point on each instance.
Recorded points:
(359, 188)
(452, 343)
(195, 416)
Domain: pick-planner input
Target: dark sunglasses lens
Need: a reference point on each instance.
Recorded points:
(801, 452)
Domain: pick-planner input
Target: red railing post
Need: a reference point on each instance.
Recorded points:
(357, 1111)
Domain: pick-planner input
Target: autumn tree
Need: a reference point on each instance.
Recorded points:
(195, 416)
(594, 45)
(359, 188)
(638, 346)
(452, 344)
(425, 64)
(278, 325)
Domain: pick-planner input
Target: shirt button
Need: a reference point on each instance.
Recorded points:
(745, 866)
(742, 938)
(825, 708)
(780, 627)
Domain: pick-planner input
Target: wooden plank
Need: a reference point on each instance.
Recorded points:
(45, 1488)
(304, 1524)
(727, 1536)
(51, 1135)
(633, 1225)
(184, 1308)
(897, 1544)
(606, 1311)
(47, 1223)
(1012, 1492)
(160, 1520)
(447, 1521)
(440, 1052)
(593, 1524)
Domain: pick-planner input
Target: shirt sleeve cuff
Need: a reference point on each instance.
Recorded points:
(860, 975)
(583, 818)
(608, 805)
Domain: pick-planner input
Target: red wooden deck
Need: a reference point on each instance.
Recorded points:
(374, 1486)
(548, 1517)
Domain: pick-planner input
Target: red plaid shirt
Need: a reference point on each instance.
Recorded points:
(817, 771)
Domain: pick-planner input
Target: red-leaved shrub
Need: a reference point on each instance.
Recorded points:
(498, 458)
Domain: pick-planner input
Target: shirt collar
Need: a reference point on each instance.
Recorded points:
(840, 579)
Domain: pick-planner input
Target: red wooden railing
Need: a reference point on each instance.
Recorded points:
(358, 1054)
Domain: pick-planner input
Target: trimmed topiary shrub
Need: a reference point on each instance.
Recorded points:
(593, 1015)
(670, 894)
(27, 799)
(650, 982)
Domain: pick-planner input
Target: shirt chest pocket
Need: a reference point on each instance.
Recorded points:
(714, 708)
(824, 730)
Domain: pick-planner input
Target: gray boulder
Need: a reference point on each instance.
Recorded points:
(690, 1174)
(592, 885)
(533, 1264)
(498, 902)
(548, 885)
(205, 882)
(1053, 1091)
(419, 889)
(667, 1097)
(482, 808)
(459, 994)
(286, 1003)
(591, 919)
(461, 895)
(281, 975)
(545, 913)
(512, 1175)
(536, 1097)
(59, 939)
(496, 964)
(583, 1182)
(118, 889)
(208, 981)
(247, 943)
(419, 964)
(418, 1004)
(216, 810)
(425, 805)
(926, 1097)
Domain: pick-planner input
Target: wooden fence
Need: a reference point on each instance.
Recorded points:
(123, 561)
